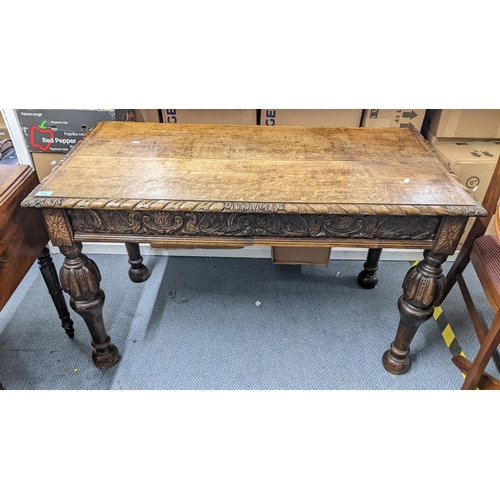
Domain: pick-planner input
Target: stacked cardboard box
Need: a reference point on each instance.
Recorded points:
(468, 140)
(473, 163)
(147, 115)
(400, 118)
(45, 162)
(461, 124)
(311, 117)
(216, 116)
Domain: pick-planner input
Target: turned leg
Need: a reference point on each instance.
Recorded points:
(138, 272)
(423, 288)
(368, 277)
(80, 278)
(49, 274)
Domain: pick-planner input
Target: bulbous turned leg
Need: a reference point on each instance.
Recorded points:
(138, 272)
(368, 277)
(51, 279)
(423, 288)
(80, 278)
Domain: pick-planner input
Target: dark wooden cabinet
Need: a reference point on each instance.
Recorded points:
(23, 239)
(22, 232)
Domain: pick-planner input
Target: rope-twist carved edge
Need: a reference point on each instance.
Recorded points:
(253, 207)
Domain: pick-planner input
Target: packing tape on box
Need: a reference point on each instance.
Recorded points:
(378, 122)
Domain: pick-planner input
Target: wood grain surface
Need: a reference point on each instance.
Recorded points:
(22, 233)
(301, 166)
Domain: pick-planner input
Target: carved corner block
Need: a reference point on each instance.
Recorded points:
(58, 226)
(448, 236)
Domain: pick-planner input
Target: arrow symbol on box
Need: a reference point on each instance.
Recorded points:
(409, 115)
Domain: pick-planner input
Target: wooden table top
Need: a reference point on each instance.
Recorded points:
(159, 166)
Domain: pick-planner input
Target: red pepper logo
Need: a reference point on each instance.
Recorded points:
(43, 131)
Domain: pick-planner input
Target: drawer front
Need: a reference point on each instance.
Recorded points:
(158, 223)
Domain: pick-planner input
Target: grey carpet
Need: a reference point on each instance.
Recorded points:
(195, 325)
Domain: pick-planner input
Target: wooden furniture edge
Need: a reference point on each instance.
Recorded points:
(23, 175)
(347, 209)
(252, 241)
(443, 163)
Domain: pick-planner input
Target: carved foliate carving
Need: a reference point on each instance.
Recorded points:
(58, 227)
(449, 235)
(249, 224)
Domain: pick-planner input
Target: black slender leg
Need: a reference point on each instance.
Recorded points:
(368, 277)
(49, 274)
(138, 272)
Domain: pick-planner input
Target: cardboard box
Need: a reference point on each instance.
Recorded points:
(311, 117)
(58, 130)
(218, 116)
(147, 115)
(399, 118)
(462, 124)
(310, 256)
(473, 163)
(45, 162)
(4, 132)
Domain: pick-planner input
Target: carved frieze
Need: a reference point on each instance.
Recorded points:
(252, 224)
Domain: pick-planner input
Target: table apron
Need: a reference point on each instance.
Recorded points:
(254, 226)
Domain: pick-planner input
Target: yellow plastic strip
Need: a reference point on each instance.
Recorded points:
(447, 331)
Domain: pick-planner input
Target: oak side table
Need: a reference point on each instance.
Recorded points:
(225, 185)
